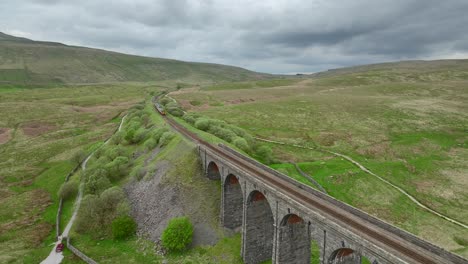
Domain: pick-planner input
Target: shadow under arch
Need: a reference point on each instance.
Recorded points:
(212, 171)
(259, 229)
(344, 256)
(233, 202)
(293, 240)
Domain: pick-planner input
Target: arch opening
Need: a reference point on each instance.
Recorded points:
(293, 240)
(212, 171)
(344, 256)
(232, 202)
(259, 229)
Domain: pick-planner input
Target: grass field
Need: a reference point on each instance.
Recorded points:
(45, 127)
(406, 122)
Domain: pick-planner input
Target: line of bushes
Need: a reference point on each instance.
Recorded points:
(230, 133)
(105, 211)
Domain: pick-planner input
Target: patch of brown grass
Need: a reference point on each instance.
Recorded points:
(36, 128)
(5, 135)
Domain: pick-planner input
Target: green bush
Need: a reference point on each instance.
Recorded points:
(241, 143)
(175, 111)
(189, 119)
(138, 173)
(178, 234)
(123, 227)
(97, 182)
(222, 133)
(79, 156)
(150, 144)
(165, 101)
(165, 138)
(97, 212)
(129, 135)
(139, 136)
(68, 190)
(156, 134)
(117, 168)
(112, 152)
(195, 102)
(265, 154)
(202, 124)
(117, 138)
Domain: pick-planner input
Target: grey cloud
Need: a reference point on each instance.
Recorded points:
(271, 36)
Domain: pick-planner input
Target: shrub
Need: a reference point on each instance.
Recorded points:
(175, 111)
(165, 138)
(189, 119)
(112, 152)
(111, 198)
(123, 227)
(150, 143)
(97, 212)
(156, 134)
(265, 154)
(117, 168)
(79, 156)
(129, 135)
(138, 173)
(222, 133)
(68, 190)
(178, 234)
(165, 101)
(96, 183)
(241, 143)
(203, 124)
(118, 138)
(195, 102)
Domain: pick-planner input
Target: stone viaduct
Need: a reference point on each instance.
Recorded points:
(281, 228)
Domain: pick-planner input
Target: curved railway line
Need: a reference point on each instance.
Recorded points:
(411, 251)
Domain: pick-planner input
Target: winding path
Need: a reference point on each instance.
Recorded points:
(360, 166)
(56, 257)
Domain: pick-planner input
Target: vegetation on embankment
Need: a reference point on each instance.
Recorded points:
(172, 164)
(406, 122)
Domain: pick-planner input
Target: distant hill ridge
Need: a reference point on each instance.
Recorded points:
(28, 62)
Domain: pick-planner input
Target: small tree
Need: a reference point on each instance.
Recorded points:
(178, 234)
(79, 156)
(123, 227)
(68, 190)
(165, 138)
(241, 143)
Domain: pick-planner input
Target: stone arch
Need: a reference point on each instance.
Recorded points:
(344, 256)
(233, 202)
(212, 171)
(259, 229)
(293, 240)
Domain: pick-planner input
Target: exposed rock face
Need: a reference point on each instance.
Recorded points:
(155, 201)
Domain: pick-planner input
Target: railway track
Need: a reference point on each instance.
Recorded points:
(389, 241)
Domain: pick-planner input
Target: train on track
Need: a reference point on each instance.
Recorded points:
(159, 108)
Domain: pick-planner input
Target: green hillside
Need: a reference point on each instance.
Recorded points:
(28, 62)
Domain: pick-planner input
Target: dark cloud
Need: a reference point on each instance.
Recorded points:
(272, 36)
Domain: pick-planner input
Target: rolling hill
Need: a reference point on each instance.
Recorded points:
(28, 62)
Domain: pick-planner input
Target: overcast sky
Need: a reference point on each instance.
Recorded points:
(276, 36)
